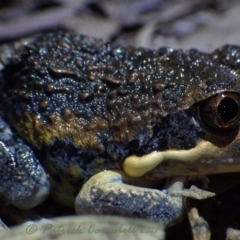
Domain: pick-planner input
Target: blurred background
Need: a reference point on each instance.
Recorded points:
(202, 24)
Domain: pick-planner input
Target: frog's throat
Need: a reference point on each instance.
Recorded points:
(138, 166)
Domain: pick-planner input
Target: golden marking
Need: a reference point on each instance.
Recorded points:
(138, 166)
(38, 133)
(75, 171)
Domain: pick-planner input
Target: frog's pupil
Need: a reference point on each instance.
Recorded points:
(228, 109)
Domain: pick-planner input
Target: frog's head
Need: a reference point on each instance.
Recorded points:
(201, 136)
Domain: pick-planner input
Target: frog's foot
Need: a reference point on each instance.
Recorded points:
(193, 192)
(108, 193)
(23, 182)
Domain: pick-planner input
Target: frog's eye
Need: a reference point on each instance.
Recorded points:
(220, 112)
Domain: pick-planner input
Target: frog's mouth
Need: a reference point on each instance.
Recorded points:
(205, 158)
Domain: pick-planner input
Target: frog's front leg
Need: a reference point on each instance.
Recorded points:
(108, 193)
(23, 181)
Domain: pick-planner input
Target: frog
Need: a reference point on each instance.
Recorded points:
(100, 126)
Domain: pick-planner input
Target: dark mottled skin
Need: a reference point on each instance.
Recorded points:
(83, 102)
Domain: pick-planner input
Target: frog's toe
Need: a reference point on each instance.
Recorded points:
(23, 182)
(106, 193)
